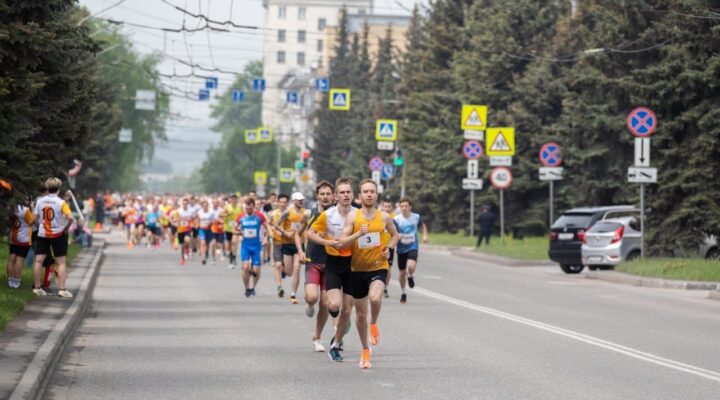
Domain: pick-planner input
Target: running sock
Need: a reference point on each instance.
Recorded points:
(334, 314)
(335, 344)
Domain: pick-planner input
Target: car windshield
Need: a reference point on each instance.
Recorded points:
(604, 227)
(573, 220)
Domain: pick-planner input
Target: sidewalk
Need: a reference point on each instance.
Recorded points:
(33, 341)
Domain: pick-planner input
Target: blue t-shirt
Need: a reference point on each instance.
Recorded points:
(250, 225)
(151, 219)
(408, 230)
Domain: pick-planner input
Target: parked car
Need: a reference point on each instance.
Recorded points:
(709, 250)
(567, 233)
(609, 242)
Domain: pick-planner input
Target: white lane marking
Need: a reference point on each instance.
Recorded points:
(640, 355)
(431, 277)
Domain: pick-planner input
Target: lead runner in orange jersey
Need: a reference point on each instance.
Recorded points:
(372, 234)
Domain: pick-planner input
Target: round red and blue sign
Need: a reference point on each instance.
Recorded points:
(551, 154)
(376, 164)
(642, 122)
(472, 149)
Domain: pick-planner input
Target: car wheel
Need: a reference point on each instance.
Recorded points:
(713, 254)
(633, 256)
(571, 269)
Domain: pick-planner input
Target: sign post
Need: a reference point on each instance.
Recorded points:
(642, 123)
(472, 150)
(501, 179)
(551, 157)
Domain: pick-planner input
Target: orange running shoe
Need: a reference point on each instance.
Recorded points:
(365, 359)
(374, 334)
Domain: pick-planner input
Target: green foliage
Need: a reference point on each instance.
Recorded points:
(683, 269)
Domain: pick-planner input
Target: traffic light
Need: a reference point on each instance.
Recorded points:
(305, 155)
(398, 159)
(299, 164)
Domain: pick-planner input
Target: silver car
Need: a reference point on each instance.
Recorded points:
(610, 242)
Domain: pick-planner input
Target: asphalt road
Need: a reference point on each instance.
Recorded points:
(470, 330)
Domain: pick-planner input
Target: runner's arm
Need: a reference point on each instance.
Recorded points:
(392, 230)
(348, 236)
(424, 232)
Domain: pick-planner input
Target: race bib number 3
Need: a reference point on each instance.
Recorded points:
(295, 226)
(407, 239)
(369, 240)
(249, 233)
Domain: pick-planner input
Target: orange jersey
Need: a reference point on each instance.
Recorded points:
(329, 224)
(367, 250)
(218, 225)
(292, 223)
(130, 214)
(184, 218)
(21, 226)
(52, 212)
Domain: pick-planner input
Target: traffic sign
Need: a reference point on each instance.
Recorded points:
(260, 190)
(474, 135)
(260, 177)
(472, 149)
(550, 154)
(501, 177)
(472, 184)
(381, 145)
(238, 96)
(388, 171)
(550, 173)
(211, 82)
(500, 141)
(258, 85)
(472, 169)
(125, 135)
(292, 97)
(642, 175)
(642, 122)
(642, 152)
(376, 164)
(145, 100)
(376, 177)
(264, 134)
(251, 136)
(386, 129)
(322, 85)
(287, 175)
(473, 117)
(340, 99)
(203, 95)
(500, 161)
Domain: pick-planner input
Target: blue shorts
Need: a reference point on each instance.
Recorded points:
(251, 252)
(219, 237)
(205, 234)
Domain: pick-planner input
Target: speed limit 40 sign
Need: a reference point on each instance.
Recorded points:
(501, 177)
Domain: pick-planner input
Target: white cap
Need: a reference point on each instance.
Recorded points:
(297, 196)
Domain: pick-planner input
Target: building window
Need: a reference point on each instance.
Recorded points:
(361, 11)
(301, 36)
(321, 24)
(301, 13)
(301, 58)
(319, 45)
(282, 12)
(281, 57)
(281, 36)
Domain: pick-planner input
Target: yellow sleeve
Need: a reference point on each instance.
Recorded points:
(320, 224)
(29, 217)
(65, 209)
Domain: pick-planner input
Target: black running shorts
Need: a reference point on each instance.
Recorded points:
(58, 245)
(337, 274)
(404, 257)
(361, 282)
(20, 251)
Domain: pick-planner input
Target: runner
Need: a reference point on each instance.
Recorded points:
(217, 230)
(365, 230)
(205, 219)
(288, 225)
(139, 220)
(248, 226)
(387, 206)
(129, 216)
(153, 229)
(21, 221)
(326, 231)
(184, 217)
(407, 224)
(314, 261)
(277, 255)
(54, 217)
(232, 210)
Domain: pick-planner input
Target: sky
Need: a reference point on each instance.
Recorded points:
(189, 133)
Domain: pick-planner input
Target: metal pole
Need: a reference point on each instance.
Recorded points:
(502, 217)
(551, 203)
(402, 182)
(277, 182)
(472, 213)
(642, 220)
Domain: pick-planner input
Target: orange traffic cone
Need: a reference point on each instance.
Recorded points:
(98, 227)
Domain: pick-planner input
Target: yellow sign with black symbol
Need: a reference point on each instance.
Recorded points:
(287, 175)
(260, 177)
(500, 141)
(251, 136)
(386, 130)
(473, 117)
(339, 99)
(264, 134)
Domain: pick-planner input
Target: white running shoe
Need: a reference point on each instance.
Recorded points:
(317, 346)
(65, 293)
(309, 310)
(231, 266)
(39, 292)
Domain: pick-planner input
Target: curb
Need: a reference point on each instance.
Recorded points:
(35, 378)
(627, 279)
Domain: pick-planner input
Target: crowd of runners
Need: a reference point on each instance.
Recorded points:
(346, 243)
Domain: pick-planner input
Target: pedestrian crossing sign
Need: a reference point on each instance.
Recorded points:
(386, 130)
(473, 117)
(260, 177)
(264, 134)
(251, 136)
(287, 175)
(500, 141)
(340, 99)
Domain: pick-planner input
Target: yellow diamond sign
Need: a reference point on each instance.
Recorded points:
(339, 99)
(500, 141)
(260, 177)
(473, 117)
(251, 136)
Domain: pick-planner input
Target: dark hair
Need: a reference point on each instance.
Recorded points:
(406, 200)
(283, 196)
(387, 200)
(323, 184)
(249, 201)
